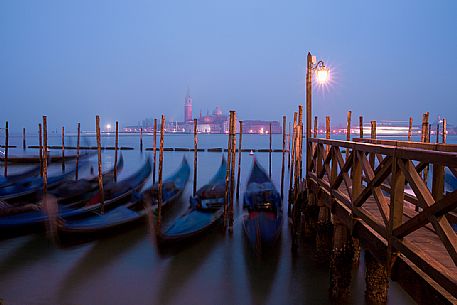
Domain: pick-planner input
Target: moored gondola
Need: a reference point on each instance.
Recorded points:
(115, 193)
(52, 158)
(16, 178)
(263, 221)
(133, 212)
(205, 211)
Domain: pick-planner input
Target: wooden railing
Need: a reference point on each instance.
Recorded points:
(384, 185)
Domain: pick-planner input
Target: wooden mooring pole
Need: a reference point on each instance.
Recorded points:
(116, 148)
(154, 152)
(6, 148)
(195, 156)
(63, 148)
(269, 155)
(232, 173)
(361, 126)
(100, 173)
(40, 142)
(284, 120)
(23, 139)
(444, 131)
(437, 132)
(348, 131)
(239, 163)
(141, 139)
(327, 127)
(315, 126)
(300, 151)
(45, 156)
(372, 156)
(292, 165)
(288, 143)
(424, 130)
(159, 199)
(227, 172)
(78, 143)
(410, 128)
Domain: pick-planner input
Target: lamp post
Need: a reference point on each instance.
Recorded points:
(322, 75)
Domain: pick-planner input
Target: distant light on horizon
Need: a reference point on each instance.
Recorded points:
(108, 127)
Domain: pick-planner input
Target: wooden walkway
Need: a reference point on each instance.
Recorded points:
(379, 190)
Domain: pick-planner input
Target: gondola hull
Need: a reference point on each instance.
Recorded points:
(262, 224)
(121, 218)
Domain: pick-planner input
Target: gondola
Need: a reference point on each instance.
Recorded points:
(263, 221)
(29, 190)
(28, 159)
(133, 212)
(74, 192)
(16, 178)
(205, 211)
(115, 193)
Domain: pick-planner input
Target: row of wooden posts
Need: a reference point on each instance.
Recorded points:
(295, 153)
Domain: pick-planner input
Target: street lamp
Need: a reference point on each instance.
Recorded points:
(322, 76)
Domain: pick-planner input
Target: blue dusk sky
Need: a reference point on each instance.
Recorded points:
(127, 60)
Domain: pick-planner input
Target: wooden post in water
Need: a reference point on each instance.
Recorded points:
(232, 171)
(289, 152)
(348, 131)
(373, 130)
(437, 132)
(315, 126)
(292, 164)
(300, 122)
(444, 130)
(227, 173)
(40, 140)
(297, 161)
(154, 149)
(23, 138)
(45, 156)
(239, 163)
(100, 174)
(410, 128)
(373, 136)
(327, 127)
(141, 139)
(361, 126)
(116, 147)
(429, 131)
(195, 156)
(6, 148)
(159, 199)
(269, 155)
(424, 130)
(283, 152)
(78, 142)
(63, 148)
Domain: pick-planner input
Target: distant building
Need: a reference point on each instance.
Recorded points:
(261, 127)
(188, 108)
(216, 122)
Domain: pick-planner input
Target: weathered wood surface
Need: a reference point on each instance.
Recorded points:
(379, 204)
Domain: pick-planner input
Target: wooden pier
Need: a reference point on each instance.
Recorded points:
(401, 220)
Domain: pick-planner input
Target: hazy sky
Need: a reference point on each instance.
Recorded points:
(128, 60)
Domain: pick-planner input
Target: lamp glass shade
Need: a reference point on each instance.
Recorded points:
(322, 75)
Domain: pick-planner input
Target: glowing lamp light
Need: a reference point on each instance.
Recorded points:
(322, 74)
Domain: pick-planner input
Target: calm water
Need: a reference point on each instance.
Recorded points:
(128, 269)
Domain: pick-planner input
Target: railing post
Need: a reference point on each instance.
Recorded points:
(396, 206)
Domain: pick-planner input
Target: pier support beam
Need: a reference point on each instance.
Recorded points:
(377, 283)
(341, 263)
(310, 215)
(324, 230)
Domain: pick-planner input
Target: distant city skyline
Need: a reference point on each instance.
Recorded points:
(125, 60)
